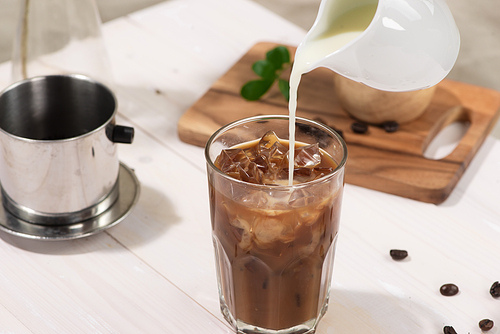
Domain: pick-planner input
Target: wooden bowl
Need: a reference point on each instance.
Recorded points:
(374, 106)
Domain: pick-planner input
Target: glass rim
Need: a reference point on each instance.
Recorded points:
(324, 127)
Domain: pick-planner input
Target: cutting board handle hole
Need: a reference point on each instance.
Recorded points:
(446, 133)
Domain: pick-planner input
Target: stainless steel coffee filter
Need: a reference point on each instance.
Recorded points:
(58, 160)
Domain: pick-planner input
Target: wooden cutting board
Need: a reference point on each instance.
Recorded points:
(387, 162)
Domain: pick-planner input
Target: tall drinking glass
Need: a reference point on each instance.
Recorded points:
(274, 242)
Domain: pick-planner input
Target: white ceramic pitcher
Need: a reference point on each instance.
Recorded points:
(404, 45)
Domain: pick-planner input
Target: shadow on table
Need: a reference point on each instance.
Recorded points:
(353, 312)
(471, 172)
(149, 219)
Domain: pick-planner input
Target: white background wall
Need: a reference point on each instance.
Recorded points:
(108, 9)
(478, 21)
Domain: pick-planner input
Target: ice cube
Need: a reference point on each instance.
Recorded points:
(281, 177)
(302, 175)
(319, 172)
(309, 217)
(241, 223)
(243, 175)
(239, 157)
(254, 199)
(307, 156)
(235, 174)
(278, 153)
(270, 145)
(250, 152)
(262, 163)
(300, 198)
(278, 157)
(229, 160)
(269, 230)
(224, 162)
(267, 141)
(250, 174)
(245, 240)
(269, 170)
(309, 249)
(256, 175)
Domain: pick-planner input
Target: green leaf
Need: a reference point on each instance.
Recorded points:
(270, 70)
(285, 54)
(284, 87)
(264, 68)
(254, 89)
(278, 56)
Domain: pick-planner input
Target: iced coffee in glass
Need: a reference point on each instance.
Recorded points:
(274, 239)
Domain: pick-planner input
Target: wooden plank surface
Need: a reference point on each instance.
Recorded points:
(389, 162)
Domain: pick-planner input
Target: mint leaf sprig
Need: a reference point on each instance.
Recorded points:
(270, 70)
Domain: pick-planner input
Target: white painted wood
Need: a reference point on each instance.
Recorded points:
(155, 273)
(93, 285)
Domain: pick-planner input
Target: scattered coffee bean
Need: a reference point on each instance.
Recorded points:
(495, 289)
(322, 137)
(359, 127)
(449, 330)
(319, 120)
(398, 254)
(390, 126)
(449, 289)
(486, 324)
(341, 134)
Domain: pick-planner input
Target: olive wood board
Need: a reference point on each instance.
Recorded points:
(388, 162)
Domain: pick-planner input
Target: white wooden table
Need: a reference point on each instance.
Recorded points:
(155, 272)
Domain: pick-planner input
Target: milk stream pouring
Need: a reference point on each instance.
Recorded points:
(392, 45)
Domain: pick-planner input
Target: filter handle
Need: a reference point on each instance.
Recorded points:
(122, 134)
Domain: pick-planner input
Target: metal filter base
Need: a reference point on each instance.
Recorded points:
(128, 194)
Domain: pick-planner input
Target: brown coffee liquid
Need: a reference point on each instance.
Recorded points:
(275, 251)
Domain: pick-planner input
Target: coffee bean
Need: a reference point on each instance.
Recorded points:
(398, 254)
(449, 289)
(322, 137)
(495, 289)
(390, 126)
(486, 324)
(359, 127)
(449, 330)
(341, 134)
(319, 120)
